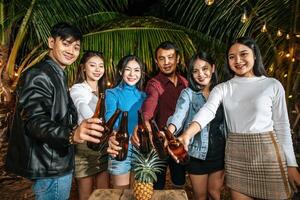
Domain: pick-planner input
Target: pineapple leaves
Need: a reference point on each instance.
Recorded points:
(146, 166)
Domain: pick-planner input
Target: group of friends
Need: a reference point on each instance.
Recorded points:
(236, 132)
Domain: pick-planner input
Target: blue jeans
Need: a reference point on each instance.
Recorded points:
(121, 167)
(57, 188)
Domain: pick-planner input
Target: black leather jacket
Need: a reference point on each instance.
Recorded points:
(43, 119)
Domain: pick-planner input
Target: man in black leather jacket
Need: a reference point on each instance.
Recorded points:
(43, 129)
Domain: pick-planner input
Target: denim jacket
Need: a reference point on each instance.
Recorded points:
(188, 104)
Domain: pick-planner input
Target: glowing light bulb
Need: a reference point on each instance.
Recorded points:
(244, 17)
(279, 33)
(209, 2)
(264, 28)
(287, 36)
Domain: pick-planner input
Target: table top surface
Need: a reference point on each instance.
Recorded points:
(127, 194)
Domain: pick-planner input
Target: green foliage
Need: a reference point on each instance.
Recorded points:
(145, 166)
(222, 20)
(27, 23)
(134, 35)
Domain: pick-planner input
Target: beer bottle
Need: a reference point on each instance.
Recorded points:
(143, 134)
(122, 137)
(158, 141)
(108, 126)
(176, 147)
(99, 113)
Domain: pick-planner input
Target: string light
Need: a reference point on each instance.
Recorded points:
(209, 2)
(293, 60)
(287, 55)
(264, 28)
(279, 33)
(288, 36)
(285, 75)
(244, 17)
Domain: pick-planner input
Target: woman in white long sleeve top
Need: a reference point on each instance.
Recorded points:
(90, 166)
(259, 155)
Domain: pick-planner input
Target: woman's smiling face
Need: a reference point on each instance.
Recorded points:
(241, 60)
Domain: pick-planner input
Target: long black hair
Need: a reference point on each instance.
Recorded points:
(206, 57)
(81, 76)
(121, 68)
(258, 68)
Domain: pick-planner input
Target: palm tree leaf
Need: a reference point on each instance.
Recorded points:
(138, 36)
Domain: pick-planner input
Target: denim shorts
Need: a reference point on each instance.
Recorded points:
(121, 167)
(57, 188)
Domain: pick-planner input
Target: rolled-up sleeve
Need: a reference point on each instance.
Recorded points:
(181, 111)
(150, 104)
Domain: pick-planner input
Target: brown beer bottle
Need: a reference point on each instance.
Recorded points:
(158, 141)
(143, 134)
(122, 137)
(108, 126)
(176, 147)
(99, 113)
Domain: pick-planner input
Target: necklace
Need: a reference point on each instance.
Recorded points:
(94, 91)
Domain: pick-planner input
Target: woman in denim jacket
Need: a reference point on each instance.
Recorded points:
(206, 148)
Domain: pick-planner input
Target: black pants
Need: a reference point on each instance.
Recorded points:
(177, 173)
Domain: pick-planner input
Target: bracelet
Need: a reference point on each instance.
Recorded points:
(71, 136)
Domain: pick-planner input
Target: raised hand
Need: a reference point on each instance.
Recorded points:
(88, 130)
(113, 146)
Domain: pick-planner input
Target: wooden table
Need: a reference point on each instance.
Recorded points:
(118, 194)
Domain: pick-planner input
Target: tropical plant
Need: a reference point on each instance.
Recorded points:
(25, 26)
(145, 169)
(222, 20)
(135, 35)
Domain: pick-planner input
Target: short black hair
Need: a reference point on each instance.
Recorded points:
(167, 45)
(258, 68)
(65, 30)
(202, 55)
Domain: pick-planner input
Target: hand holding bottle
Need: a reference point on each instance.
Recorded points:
(176, 147)
(143, 135)
(113, 146)
(122, 137)
(158, 141)
(89, 130)
(135, 138)
(108, 126)
(185, 138)
(99, 113)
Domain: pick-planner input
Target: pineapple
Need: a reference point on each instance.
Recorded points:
(145, 167)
